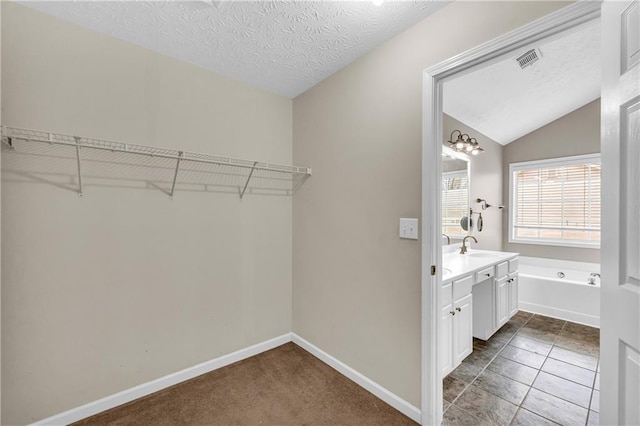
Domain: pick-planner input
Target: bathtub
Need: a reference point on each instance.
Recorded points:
(558, 288)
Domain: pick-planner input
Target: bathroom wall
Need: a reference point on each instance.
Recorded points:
(486, 183)
(356, 292)
(574, 134)
(124, 285)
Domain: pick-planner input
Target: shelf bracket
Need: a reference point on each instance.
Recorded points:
(175, 174)
(79, 165)
(248, 179)
(9, 142)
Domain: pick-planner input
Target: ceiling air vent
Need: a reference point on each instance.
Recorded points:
(528, 58)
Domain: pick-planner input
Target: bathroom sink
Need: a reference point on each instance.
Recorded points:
(487, 255)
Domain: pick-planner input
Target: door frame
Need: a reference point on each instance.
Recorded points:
(550, 26)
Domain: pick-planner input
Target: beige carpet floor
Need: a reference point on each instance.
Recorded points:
(283, 386)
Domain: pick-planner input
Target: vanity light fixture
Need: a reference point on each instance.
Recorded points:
(475, 147)
(465, 143)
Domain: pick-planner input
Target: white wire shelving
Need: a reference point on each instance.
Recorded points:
(175, 163)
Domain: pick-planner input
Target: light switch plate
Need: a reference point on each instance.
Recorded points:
(409, 228)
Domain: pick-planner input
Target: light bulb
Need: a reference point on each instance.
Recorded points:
(475, 152)
(459, 145)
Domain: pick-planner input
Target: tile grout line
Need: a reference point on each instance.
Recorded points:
(484, 368)
(553, 344)
(539, 370)
(538, 374)
(593, 389)
(594, 378)
(529, 386)
(520, 407)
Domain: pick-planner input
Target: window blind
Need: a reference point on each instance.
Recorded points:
(455, 201)
(557, 201)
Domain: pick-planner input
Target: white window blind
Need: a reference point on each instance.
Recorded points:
(455, 201)
(556, 202)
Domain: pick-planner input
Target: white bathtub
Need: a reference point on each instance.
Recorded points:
(541, 290)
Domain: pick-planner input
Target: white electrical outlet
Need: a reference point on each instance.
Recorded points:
(409, 228)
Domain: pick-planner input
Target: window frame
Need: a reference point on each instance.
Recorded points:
(465, 174)
(546, 163)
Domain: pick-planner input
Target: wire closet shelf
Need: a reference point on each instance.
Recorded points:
(11, 135)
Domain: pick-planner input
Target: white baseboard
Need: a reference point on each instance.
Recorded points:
(563, 314)
(384, 394)
(145, 389)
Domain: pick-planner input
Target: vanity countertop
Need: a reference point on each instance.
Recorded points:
(473, 260)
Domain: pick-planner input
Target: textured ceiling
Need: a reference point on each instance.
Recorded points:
(285, 47)
(505, 103)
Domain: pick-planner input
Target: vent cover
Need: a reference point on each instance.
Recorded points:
(528, 58)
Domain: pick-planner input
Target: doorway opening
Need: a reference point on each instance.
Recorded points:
(556, 25)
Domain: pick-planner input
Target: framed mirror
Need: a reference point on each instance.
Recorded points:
(456, 182)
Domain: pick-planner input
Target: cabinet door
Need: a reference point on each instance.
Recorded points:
(513, 295)
(502, 301)
(484, 312)
(446, 339)
(462, 329)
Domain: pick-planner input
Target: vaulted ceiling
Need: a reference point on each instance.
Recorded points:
(505, 102)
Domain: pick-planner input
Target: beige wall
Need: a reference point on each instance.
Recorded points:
(125, 285)
(486, 183)
(122, 286)
(356, 291)
(574, 134)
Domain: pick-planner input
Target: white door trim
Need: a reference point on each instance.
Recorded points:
(550, 26)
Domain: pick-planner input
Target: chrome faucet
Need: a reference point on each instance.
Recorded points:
(448, 239)
(463, 249)
(592, 278)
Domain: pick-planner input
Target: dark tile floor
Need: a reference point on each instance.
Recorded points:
(535, 370)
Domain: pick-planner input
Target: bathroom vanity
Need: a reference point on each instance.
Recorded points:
(479, 295)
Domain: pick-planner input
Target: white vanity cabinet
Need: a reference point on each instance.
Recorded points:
(479, 295)
(496, 298)
(456, 325)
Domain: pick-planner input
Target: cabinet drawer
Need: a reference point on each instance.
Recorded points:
(502, 269)
(513, 265)
(447, 295)
(462, 287)
(485, 274)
